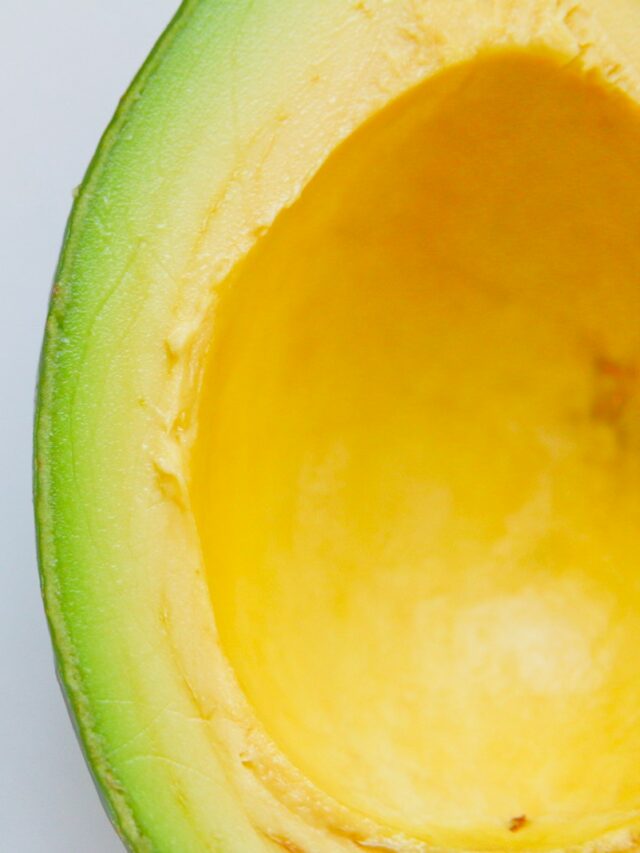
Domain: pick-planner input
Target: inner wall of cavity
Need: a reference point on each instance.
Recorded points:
(417, 477)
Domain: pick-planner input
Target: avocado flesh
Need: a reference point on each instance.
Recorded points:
(230, 119)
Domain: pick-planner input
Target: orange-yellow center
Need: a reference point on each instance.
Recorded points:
(417, 476)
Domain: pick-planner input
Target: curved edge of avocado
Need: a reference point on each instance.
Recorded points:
(69, 675)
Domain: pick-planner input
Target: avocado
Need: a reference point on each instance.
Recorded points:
(337, 453)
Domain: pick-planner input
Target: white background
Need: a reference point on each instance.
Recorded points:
(63, 66)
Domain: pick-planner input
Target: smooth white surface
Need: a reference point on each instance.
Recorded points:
(63, 66)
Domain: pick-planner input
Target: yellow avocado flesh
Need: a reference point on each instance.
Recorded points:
(417, 472)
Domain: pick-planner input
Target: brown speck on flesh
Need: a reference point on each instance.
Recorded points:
(518, 823)
(614, 386)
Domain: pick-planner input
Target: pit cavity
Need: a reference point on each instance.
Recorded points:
(417, 477)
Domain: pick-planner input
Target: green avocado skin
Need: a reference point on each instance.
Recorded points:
(48, 478)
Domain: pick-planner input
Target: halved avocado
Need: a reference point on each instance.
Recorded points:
(338, 432)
